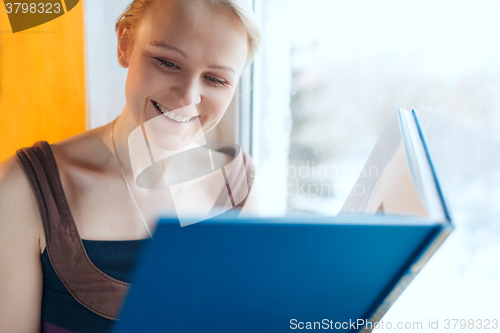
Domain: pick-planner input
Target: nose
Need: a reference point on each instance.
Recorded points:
(188, 102)
(187, 93)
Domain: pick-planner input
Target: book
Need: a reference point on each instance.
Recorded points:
(398, 177)
(341, 272)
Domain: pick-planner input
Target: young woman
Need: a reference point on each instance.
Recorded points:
(70, 222)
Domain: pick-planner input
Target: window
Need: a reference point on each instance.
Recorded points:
(330, 73)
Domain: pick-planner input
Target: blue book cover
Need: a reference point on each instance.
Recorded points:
(282, 274)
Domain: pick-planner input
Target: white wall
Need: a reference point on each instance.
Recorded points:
(105, 78)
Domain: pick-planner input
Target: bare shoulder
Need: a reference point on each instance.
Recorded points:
(21, 279)
(226, 156)
(86, 150)
(19, 212)
(18, 207)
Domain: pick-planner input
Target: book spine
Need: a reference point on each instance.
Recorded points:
(405, 280)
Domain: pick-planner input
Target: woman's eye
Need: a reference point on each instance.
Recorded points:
(167, 64)
(214, 81)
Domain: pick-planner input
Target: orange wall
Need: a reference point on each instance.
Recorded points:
(42, 82)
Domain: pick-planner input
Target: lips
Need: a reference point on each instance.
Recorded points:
(172, 115)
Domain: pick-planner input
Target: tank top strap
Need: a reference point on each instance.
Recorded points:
(250, 175)
(239, 181)
(97, 291)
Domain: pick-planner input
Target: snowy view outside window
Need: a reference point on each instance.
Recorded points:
(350, 65)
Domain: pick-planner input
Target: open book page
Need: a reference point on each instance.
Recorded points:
(394, 192)
(385, 184)
(421, 168)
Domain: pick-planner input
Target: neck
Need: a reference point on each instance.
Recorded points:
(120, 130)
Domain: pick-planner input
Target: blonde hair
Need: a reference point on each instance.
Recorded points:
(133, 14)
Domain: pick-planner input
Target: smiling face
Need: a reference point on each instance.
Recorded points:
(184, 62)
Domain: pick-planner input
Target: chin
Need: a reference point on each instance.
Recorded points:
(166, 135)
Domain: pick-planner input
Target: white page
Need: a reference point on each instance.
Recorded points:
(385, 183)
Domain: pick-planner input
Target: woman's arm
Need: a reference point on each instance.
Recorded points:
(21, 278)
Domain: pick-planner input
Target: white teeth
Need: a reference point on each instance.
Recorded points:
(172, 115)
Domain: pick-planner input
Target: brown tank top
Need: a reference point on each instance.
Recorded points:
(95, 290)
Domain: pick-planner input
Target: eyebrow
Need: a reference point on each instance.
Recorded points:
(169, 47)
(226, 68)
(172, 48)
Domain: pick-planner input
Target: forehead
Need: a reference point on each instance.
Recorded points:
(199, 29)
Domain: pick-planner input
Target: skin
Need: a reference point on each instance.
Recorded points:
(91, 178)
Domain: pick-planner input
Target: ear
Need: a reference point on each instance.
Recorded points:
(124, 45)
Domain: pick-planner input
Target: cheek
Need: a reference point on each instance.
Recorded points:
(134, 85)
(142, 78)
(219, 107)
(215, 106)
(142, 82)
